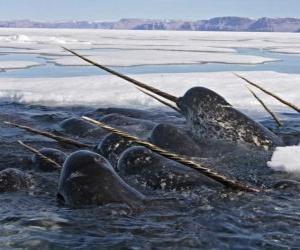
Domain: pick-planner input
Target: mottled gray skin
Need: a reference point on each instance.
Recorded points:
(88, 178)
(41, 164)
(14, 180)
(176, 140)
(112, 146)
(154, 171)
(211, 117)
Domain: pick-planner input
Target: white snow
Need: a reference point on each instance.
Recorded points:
(9, 65)
(106, 90)
(286, 159)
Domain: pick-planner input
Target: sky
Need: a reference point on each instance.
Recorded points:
(53, 10)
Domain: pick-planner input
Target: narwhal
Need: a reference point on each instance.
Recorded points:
(209, 116)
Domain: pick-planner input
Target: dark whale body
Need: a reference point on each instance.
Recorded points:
(174, 139)
(157, 172)
(80, 128)
(87, 178)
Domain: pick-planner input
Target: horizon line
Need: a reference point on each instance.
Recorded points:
(148, 19)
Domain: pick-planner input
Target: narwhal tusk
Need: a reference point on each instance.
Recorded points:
(204, 169)
(127, 78)
(35, 151)
(160, 100)
(279, 124)
(291, 105)
(60, 139)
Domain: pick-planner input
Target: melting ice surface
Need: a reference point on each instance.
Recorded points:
(48, 93)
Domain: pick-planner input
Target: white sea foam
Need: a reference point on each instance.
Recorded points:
(286, 159)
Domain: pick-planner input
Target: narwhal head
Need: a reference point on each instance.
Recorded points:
(200, 100)
(87, 178)
(203, 110)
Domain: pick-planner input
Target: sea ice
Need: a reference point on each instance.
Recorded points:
(156, 57)
(145, 47)
(293, 50)
(107, 90)
(9, 65)
(216, 42)
(286, 159)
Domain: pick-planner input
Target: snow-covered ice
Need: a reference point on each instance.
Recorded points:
(156, 57)
(46, 39)
(9, 65)
(159, 39)
(106, 90)
(145, 48)
(286, 159)
(148, 47)
(290, 50)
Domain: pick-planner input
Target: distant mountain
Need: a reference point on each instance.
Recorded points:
(276, 25)
(57, 25)
(227, 24)
(214, 24)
